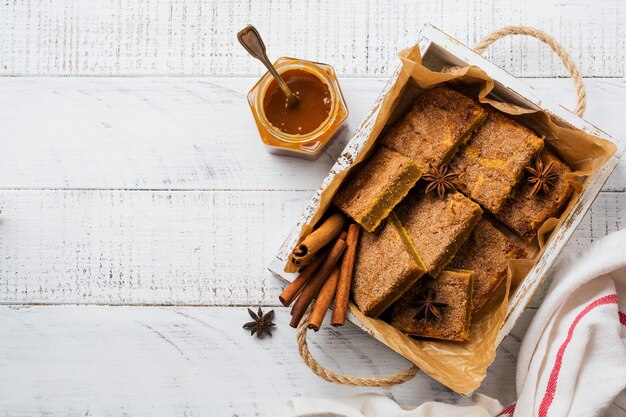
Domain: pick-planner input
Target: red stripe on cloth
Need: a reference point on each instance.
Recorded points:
(508, 410)
(554, 375)
(622, 318)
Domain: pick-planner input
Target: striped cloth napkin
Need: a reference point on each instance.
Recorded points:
(572, 361)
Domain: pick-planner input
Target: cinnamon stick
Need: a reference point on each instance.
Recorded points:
(312, 288)
(294, 289)
(342, 292)
(324, 299)
(317, 239)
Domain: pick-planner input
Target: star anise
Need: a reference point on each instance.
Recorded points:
(439, 179)
(428, 308)
(542, 176)
(261, 324)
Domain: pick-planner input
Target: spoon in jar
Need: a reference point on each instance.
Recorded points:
(251, 40)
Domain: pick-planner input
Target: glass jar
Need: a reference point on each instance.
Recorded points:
(307, 145)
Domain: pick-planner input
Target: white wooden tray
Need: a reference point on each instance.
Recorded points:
(439, 50)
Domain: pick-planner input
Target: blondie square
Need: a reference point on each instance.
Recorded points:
(493, 160)
(370, 195)
(451, 292)
(486, 252)
(440, 120)
(524, 213)
(437, 227)
(385, 267)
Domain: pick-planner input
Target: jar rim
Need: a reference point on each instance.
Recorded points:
(286, 64)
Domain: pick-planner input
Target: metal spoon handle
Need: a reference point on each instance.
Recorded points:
(251, 40)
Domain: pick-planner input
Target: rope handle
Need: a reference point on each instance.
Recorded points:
(408, 373)
(330, 376)
(568, 62)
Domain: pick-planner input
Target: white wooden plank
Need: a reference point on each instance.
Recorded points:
(115, 247)
(136, 361)
(198, 36)
(150, 134)
(173, 133)
(160, 247)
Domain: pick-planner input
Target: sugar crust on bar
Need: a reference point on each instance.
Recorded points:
(524, 213)
(487, 252)
(437, 226)
(453, 287)
(370, 195)
(385, 267)
(440, 120)
(494, 159)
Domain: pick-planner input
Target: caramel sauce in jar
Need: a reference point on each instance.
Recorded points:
(305, 129)
(313, 105)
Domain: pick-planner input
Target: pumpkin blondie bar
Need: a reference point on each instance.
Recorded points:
(437, 226)
(440, 120)
(385, 267)
(487, 252)
(493, 160)
(370, 195)
(524, 212)
(438, 308)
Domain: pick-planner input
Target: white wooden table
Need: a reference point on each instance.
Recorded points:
(139, 209)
